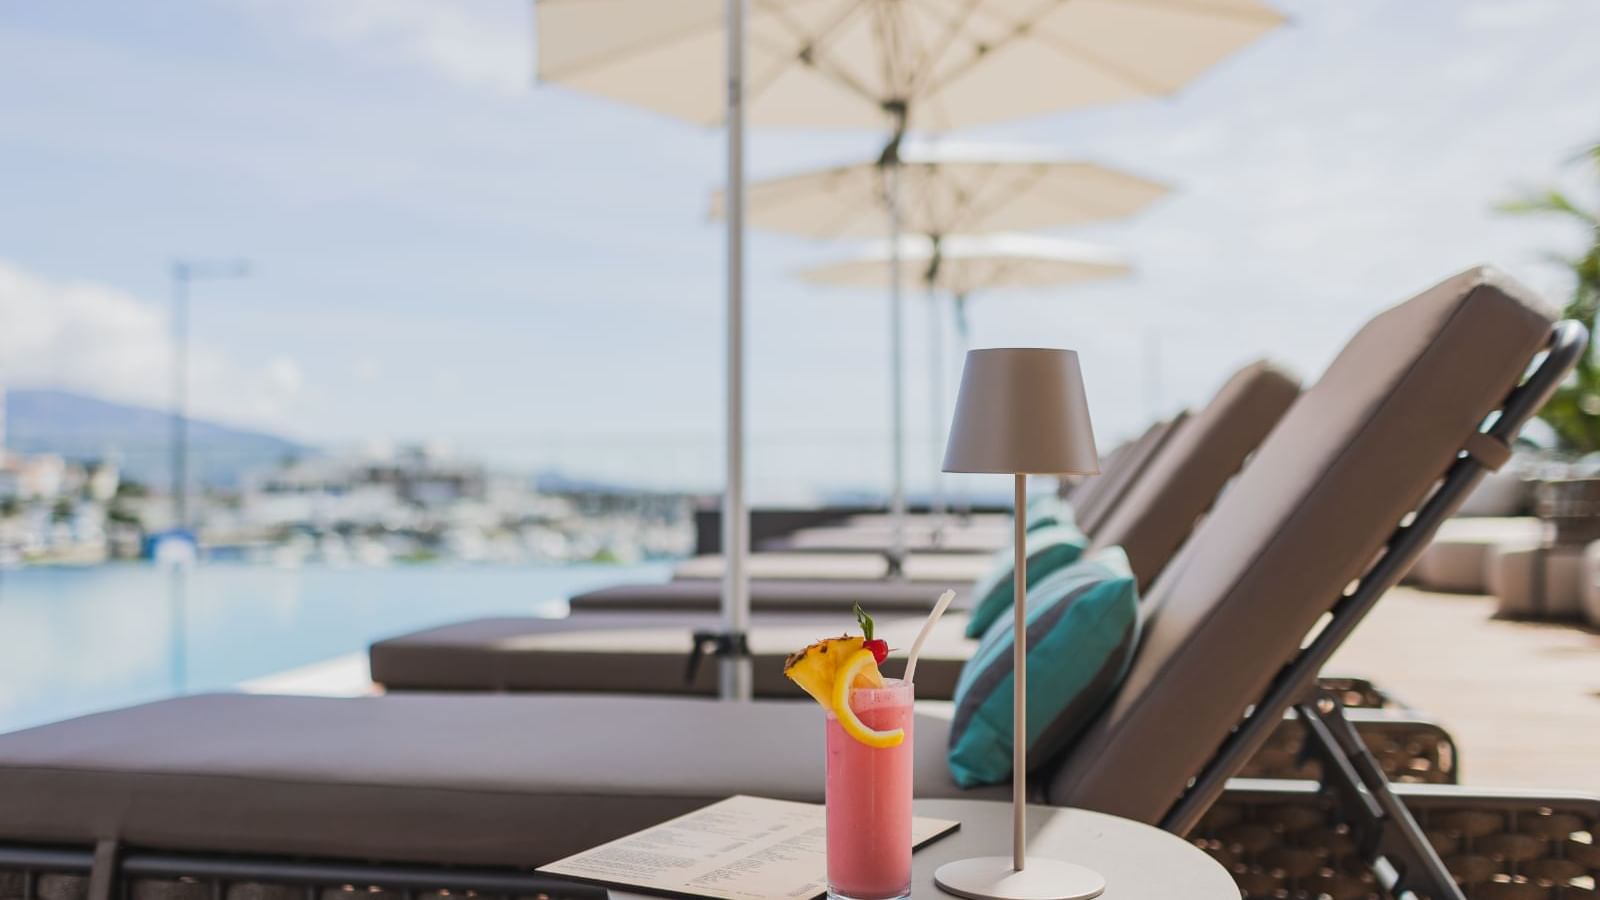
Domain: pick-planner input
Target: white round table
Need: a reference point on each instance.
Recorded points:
(1138, 861)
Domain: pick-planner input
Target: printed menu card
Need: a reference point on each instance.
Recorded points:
(741, 848)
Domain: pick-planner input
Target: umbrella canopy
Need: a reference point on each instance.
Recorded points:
(946, 188)
(843, 63)
(949, 188)
(962, 265)
(967, 264)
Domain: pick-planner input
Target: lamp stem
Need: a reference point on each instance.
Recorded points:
(1019, 666)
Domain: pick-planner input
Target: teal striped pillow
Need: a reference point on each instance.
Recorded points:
(1049, 549)
(1083, 626)
(1048, 511)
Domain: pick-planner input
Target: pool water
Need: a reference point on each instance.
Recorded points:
(76, 640)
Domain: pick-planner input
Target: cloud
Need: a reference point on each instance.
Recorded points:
(1497, 14)
(98, 340)
(479, 44)
(367, 369)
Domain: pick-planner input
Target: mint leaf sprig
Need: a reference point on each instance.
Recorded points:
(865, 621)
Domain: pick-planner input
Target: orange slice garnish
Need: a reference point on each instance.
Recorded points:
(861, 666)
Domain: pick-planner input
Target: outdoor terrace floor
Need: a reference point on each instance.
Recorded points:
(1521, 698)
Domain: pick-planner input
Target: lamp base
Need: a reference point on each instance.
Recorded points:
(993, 878)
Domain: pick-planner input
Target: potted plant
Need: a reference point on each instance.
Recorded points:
(1572, 504)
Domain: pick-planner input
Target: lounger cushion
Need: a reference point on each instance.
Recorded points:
(1049, 551)
(824, 595)
(1082, 626)
(953, 535)
(1104, 492)
(1184, 479)
(639, 653)
(941, 568)
(1049, 511)
(459, 779)
(1309, 514)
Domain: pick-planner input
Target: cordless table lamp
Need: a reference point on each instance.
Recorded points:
(1021, 412)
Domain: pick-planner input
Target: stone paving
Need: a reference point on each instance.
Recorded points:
(1521, 698)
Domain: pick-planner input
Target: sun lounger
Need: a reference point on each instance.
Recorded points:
(1284, 839)
(885, 521)
(925, 537)
(941, 568)
(1091, 500)
(1336, 504)
(647, 652)
(1246, 408)
(1104, 493)
(926, 557)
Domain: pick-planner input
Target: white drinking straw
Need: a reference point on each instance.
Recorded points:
(927, 629)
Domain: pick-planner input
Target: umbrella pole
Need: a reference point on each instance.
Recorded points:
(734, 675)
(936, 400)
(890, 162)
(958, 312)
(897, 387)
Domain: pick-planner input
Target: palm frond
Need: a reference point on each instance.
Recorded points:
(1549, 201)
(1574, 411)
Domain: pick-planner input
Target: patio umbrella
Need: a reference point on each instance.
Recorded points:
(960, 266)
(945, 188)
(948, 187)
(868, 63)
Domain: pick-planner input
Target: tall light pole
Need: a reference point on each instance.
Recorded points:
(184, 273)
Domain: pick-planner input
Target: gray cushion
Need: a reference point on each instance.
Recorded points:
(941, 568)
(1184, 479)
(1101, 493)
(469, 779)
(825, 595)
(951, 536)
(637, 653)
(1309, 514)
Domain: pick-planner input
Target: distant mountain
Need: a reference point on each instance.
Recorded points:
(86, 428)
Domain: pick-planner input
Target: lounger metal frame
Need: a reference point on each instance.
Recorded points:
(1392, 842)
(1283, 839)
(111, 872)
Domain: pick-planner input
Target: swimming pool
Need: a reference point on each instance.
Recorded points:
(75, 640)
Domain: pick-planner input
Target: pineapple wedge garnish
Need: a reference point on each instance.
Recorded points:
(816, 667)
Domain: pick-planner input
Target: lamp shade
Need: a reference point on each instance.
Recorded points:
(1021, 410)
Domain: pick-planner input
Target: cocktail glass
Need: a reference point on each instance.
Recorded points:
(869, 799)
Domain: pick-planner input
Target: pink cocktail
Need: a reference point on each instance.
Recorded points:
(869, 799)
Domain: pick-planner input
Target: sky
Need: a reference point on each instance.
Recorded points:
(443, 252)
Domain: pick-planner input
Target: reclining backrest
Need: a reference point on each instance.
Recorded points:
(1356, 454)
(1183, 481)
(1088, 487)
(1102, 494)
